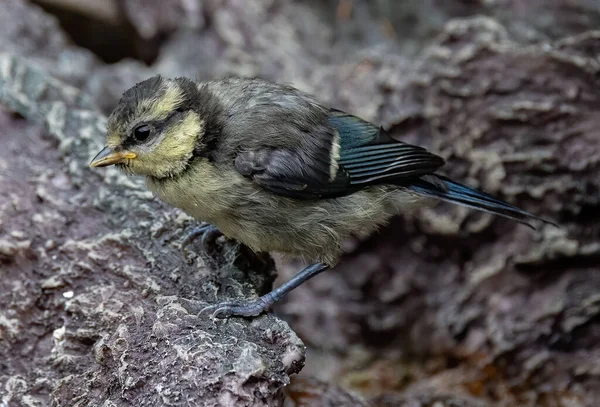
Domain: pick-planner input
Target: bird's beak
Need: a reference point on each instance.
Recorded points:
(107, 156)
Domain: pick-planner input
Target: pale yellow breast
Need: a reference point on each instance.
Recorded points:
(203, 192)
(267, 222)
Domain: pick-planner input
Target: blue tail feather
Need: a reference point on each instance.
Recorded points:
(442, 188)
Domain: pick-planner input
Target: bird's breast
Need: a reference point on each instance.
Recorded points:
(204, 191)
(267, 222)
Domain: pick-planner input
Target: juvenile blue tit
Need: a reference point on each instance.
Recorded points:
(270, 166)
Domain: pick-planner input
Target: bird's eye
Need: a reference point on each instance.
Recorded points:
(141, 133)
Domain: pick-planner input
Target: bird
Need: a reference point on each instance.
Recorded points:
(270, 166)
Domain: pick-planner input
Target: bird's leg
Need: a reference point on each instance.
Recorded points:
(250, 308)
(208, 234)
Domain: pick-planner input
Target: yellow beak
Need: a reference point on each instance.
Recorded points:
(109, 157)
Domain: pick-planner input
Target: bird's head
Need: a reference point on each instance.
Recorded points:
(155, 129)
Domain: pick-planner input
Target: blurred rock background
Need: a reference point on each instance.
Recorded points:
(446, 308)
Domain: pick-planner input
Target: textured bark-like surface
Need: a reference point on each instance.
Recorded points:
(98, 306)
(444, 308)
(459, 302)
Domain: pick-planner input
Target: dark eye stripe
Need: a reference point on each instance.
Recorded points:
(146, 130)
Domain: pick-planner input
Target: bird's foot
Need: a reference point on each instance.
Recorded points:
(256, 307)
(208, 234)
(238, 308)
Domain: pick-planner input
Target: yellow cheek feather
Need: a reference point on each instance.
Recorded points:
(171, 155)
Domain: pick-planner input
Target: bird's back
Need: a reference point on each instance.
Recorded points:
(261, 113)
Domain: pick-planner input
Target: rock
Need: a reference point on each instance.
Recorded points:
(93, 312)
(507, 305)
(304, 392)
(155, 17)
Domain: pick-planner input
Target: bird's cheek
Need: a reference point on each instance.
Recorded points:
(146, 165)
(141, 165)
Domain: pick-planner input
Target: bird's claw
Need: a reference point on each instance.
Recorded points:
(239, 308)
(208, 234)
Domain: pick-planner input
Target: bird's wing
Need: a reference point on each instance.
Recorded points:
(358, 155)
(370, 156)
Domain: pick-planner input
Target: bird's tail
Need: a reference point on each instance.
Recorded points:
(442, 188)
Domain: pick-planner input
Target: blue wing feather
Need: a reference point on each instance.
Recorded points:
(353, 131)
(369, 155)
(444, 189)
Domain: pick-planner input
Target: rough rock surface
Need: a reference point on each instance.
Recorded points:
(94, 286)
(477, 304)
(443, 308)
